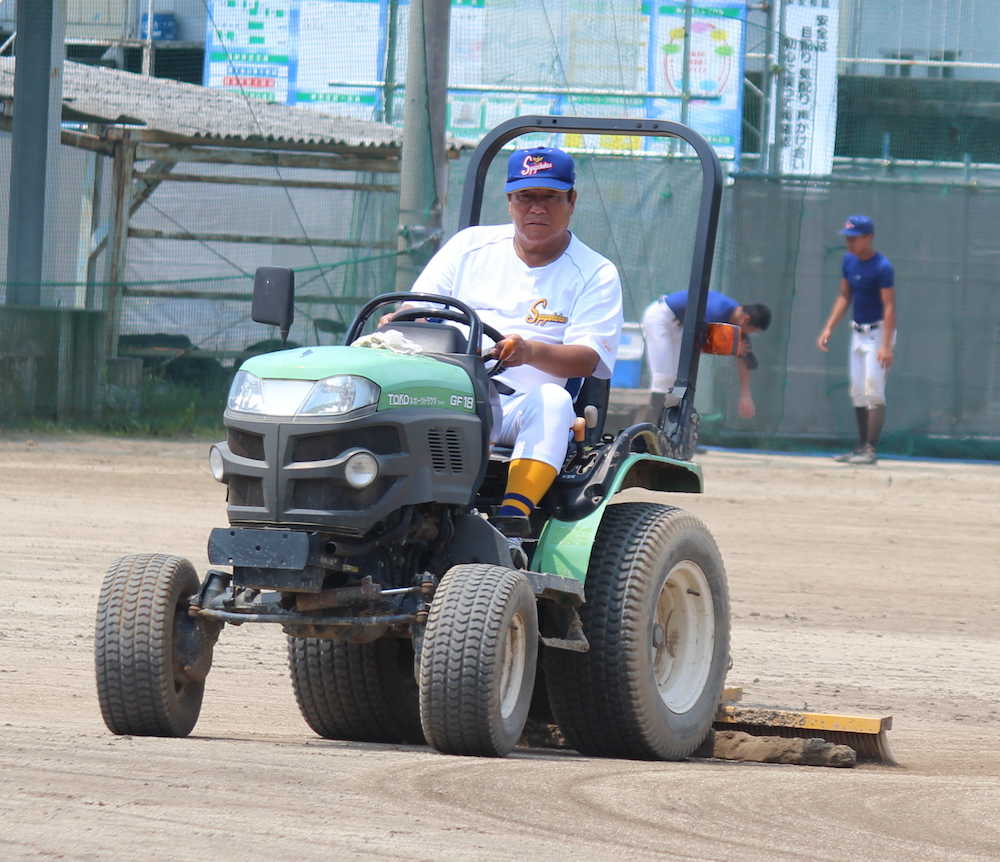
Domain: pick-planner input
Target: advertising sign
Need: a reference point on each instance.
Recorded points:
(715, 69)
(247, 47)
(322, 54)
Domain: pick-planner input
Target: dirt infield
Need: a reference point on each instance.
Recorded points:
(869, 590)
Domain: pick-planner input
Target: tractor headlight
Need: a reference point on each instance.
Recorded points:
(330, 396)
(216, 464)
(361, 469)
(245, 394)
(341, 393)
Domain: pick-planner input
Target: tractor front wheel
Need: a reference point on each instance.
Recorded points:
(150, 655)
(362, 692)
(477, 664)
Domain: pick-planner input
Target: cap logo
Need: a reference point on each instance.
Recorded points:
(848, 225)
(533, 165)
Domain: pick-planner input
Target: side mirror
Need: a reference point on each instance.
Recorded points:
(273, 295)
(721, 339)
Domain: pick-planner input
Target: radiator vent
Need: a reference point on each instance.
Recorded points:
(445, 446)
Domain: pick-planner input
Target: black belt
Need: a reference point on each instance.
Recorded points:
(865, 327)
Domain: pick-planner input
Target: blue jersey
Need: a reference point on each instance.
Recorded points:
(718, 308)
(866, 278)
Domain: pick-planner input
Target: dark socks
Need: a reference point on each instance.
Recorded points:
(861, 415)
(876, 419)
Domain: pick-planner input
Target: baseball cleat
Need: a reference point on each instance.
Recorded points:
(865, 456)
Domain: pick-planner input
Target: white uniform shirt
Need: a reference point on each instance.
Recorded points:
(575, 299)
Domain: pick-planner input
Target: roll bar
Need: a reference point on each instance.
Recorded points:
(708, 213)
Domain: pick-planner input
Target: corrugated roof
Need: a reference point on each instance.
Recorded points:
(97, 94)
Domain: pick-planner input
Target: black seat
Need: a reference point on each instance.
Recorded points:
(591, 392)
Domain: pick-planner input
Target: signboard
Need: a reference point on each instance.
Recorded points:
(804, 120)
(715, 68)
(247, 47)
(321, 53)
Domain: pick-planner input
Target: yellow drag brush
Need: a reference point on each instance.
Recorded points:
(866, 735)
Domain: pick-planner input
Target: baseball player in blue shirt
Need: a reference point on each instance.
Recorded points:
(663, 326)
(867, 278)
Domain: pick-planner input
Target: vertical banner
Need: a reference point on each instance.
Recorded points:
(804, 118)
(715, 69)
(247, 47)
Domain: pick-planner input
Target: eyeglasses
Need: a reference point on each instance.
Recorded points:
(539, 198)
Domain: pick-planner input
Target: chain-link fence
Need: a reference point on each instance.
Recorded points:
(913, 144)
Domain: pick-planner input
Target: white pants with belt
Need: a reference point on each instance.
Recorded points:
(867, 374)
(662, 331)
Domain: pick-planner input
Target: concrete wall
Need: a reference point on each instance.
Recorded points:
(50, 363)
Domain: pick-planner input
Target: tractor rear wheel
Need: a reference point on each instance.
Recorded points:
(151, 657)
(363, 692)
(657, 618)
(477, 663)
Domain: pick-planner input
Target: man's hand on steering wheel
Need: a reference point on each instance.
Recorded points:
(512, 350)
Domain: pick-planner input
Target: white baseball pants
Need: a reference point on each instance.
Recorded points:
(537, 423)
(867, 374)
(662, 331)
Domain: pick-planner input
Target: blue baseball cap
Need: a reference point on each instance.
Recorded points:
(858, 225)
(540, 168)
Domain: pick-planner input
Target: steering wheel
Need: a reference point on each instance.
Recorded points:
(456, 317)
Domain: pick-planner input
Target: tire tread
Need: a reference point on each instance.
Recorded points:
(133, 647)
(458, 697)
(596, 697)
(353, 691)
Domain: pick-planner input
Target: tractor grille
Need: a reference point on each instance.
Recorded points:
(245, 444)
(322, 494)
(381, 440)
(445, 446)
(245, 491)
(279, 472)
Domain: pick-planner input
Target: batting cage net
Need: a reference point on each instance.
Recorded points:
(239, 133)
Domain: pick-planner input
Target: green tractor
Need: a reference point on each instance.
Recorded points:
(359, 482)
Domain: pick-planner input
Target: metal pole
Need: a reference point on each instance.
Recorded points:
(35, 143)
(389, 86)
(422, 171)
(147, 48)
(768, 91)
(778, 152)
(686, 71)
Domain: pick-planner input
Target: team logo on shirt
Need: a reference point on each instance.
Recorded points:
(533, 165)
(537, 317)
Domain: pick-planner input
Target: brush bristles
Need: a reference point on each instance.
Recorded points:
(869, 747)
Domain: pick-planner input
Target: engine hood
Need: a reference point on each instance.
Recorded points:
(404, 380)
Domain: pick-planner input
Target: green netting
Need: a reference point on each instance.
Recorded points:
(945, 382)
(913, 144)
